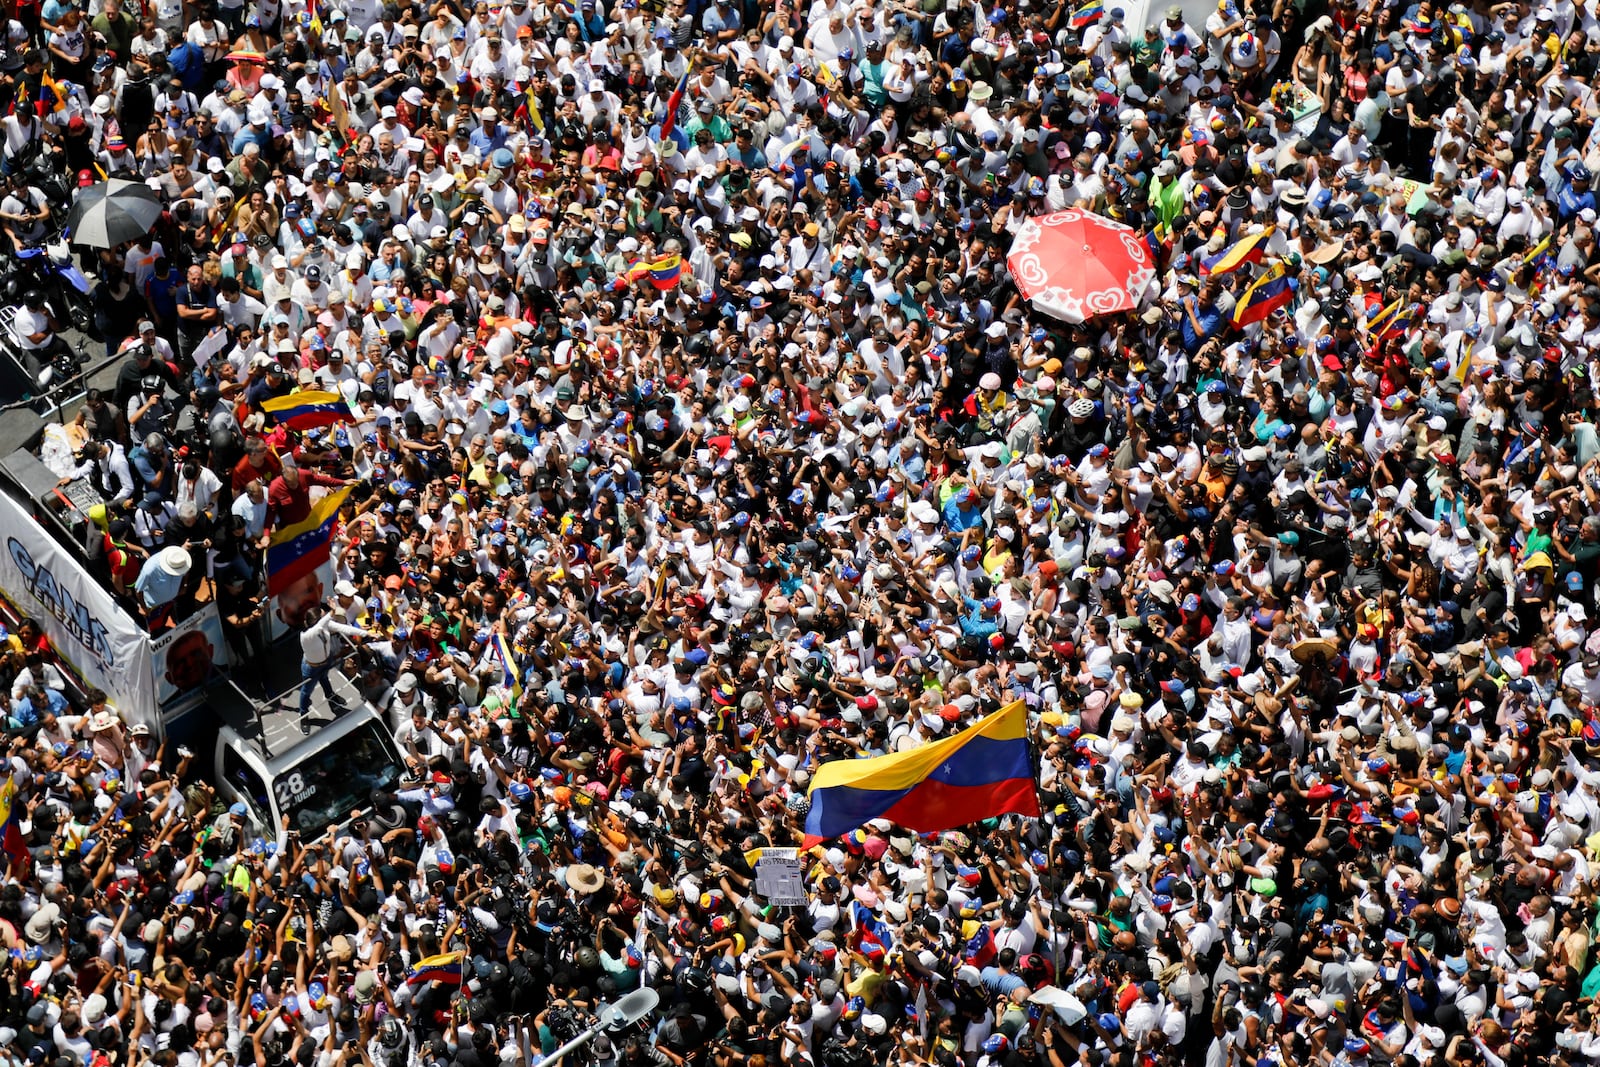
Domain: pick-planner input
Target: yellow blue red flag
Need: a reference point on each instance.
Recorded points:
(1271, 291)
(308, 409)
(1247, 249)
(297, 550)
(445, 967)
(981, 772)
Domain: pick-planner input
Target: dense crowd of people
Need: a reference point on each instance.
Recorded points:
(696, 434)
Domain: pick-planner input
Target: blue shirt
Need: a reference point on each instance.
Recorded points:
(721, 17)
(1569, 202)
(1210, 323)
(959, 518)
(484, 144)
(248, 134)
(157, 585)
(996, 981)
(975, 623)
(26, 714)
(163, 294)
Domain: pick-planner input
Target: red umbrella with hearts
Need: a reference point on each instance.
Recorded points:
(1074, 265)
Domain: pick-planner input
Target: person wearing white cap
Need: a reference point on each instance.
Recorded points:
(389, 122)
(1519, 220)
(597, 101)
(347, 601)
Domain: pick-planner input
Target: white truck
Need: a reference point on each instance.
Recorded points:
(178, 683)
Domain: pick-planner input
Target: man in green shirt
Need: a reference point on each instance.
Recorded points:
(117, 27)
(706, 119)
(1149, 49)
(873, 68)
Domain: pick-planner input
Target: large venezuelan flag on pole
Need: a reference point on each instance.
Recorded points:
(979, 773)
(297, 550)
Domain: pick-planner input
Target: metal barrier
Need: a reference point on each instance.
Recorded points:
(59, 395)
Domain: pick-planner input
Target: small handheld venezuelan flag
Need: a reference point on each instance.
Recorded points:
(663, 273)
(1250, 248)
(1088, 14)
(1271, 291)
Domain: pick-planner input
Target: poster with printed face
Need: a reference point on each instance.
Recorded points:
(290, 606)
(190, 655)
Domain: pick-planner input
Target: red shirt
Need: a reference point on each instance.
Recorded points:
(244, 472)
(287, 506)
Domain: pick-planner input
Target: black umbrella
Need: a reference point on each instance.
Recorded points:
(112, 212)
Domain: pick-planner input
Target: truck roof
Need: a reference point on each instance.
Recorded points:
(274, 728)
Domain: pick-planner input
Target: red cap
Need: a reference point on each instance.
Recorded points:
(923, 196)
(85, 177)
(1332, 362)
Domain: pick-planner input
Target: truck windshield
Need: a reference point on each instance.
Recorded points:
(328, 785)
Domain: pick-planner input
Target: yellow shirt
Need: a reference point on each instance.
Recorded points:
(995, 560)
(864, 985)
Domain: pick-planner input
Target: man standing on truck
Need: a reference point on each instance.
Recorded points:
(319, 648)
(289, 495)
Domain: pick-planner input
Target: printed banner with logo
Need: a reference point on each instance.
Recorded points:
(95, 637)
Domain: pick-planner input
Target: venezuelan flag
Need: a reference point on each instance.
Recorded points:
(308, 409)
(1379, 320)
(674, 102)
(530, 105)
(979, 773)
(11, 832)
(508, 665)
(445, 967)
(297, 550)
(1248, 249)
(663, 273)
(1088, 14)
(1397, 318)
(1271, 291)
